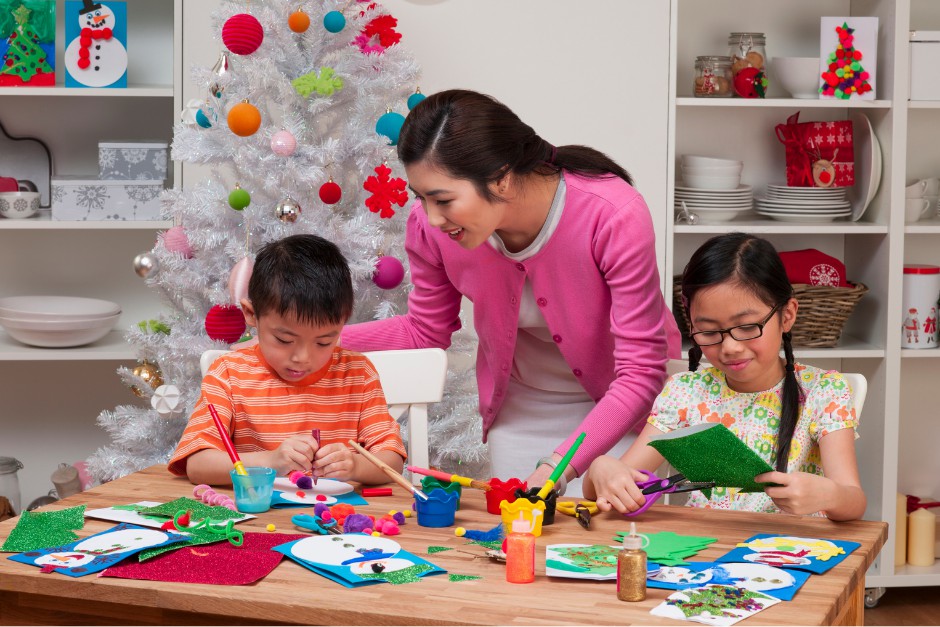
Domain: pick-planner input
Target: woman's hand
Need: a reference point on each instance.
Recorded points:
(334, 461)
(615, 485)
(800, 493)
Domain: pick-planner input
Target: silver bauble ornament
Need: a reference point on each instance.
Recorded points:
(221, 69)
(288, 210)
(146, 264)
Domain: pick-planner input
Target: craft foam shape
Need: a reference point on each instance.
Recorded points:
(816, 555)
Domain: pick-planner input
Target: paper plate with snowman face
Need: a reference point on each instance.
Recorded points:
(356, 551)
(330, 487)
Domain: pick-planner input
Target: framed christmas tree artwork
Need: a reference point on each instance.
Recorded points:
(96, 44)
(848, 57)
(27, 52)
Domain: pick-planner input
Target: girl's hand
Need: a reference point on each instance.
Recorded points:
(799, 493)
(334, 461)
(294, 453)
(615, 485)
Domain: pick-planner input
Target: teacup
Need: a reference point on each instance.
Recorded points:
(916, 189)
(18, 204)
(933, 187)
(915, 209)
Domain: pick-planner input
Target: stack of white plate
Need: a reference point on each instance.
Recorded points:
(804, 204)
(714, 205)
(57, 321)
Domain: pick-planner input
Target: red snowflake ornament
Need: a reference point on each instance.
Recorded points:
(385, 191)
(378, 35)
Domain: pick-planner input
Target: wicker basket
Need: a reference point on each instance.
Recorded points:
(822, 314)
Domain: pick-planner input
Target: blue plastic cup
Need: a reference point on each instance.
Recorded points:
(253, 491)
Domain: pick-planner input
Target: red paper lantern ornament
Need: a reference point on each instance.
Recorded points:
(242, 33)
(244, 119)
(330, 192)
(225, 323)
(389, 273)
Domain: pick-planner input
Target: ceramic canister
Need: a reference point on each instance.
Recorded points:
(920, 293)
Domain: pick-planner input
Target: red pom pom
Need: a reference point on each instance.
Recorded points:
(321, 497)
(184, 519)
(330, 193)
(301, 493)
(242, 33)
(83, 63)
(225, 323)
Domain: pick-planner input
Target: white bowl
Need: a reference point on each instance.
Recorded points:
(721, 170)
(708, 162)
(58, 325)
(57, 307)
(48, 335)
(799, 76)
(19, 204)
(711, 182)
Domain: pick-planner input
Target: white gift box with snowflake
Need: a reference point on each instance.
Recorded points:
(81, 198)
(135, 161)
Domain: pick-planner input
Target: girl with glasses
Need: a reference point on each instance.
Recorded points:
(799, 418)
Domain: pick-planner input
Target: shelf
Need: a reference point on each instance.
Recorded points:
(848, 348)
(800, 103)
(923, 227)
(923, 104)
(907, 576)
(757, 225)
(43, 221)
(920, 353)
(113, 346)
(135, 91)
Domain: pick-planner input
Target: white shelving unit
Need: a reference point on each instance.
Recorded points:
(898, 429)
(42, 256)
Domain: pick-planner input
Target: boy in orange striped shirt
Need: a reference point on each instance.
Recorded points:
(271, 395)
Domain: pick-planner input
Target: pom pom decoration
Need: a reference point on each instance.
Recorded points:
(238, 198)
(151, 375)
(305, 483)
(389, 273)
(495, 534)
(288, 210)
(340, 511)
(238, 279)
(244, 119)
(845, 76)
(242, 33)
(356, 523)
(174, 240)
(271, 527)
(330, 192)
(298, 21)
(283, 144)
(399, 518)
(225, 323)
(415, 98)
(320, 508)
(334, 21)
(389, 125)
(294, 476)
(385, 191)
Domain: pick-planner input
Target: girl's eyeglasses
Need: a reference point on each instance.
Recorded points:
(741, 333)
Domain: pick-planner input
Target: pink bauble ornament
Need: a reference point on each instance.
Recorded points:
(389, 273)
(283, 144)
(225, 323)
(175, 241)
(242, 33)
(238, 279)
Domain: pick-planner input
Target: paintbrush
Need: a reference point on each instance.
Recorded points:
(466, 482)
(388, 470)
(560, 468)
(316, 436)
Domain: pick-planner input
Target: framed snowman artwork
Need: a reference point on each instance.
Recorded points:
(96, 44)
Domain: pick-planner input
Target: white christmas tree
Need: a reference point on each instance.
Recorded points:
(298, 126)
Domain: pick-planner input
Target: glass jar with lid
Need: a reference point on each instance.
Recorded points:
(9, 481)
(712, 77)
(748, 64)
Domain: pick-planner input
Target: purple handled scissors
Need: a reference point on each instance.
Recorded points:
(654, 486)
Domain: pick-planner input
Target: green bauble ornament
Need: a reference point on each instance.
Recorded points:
(238, 199)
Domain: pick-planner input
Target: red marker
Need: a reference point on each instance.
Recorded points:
(376, 492)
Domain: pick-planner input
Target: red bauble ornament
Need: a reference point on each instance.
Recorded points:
(225, 323)
(242, 33)
(330, 192)
(744, 82)
(389, 273)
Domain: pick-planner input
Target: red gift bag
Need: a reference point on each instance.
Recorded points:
(819, 154)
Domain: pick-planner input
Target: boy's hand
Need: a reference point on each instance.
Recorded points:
(334, 461)
(799, 492)
(294, 453)
(615, 485)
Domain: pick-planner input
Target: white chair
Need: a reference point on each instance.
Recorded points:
(411, 380)
(858, 384)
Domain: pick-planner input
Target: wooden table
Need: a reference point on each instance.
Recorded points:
(292, 594)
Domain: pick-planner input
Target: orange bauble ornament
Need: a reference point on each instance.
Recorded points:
(244, 119)
(298, 21)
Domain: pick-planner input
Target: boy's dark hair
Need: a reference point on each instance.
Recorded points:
(753, 263)
(475, 137)
(303, 275)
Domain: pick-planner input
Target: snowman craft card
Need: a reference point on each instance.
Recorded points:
(96, 44)
(97, 552)
(357, 559)
(815, 555)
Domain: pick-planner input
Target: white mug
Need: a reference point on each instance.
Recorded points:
(932, 187)
(916, 189)
(915, 208)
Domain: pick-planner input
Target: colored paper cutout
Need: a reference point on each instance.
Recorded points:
(776, 582)
(38, 530)
(815, 555)
(669, 548)
(139, 514)
(199, 510)
(581, 561)
(713, 605)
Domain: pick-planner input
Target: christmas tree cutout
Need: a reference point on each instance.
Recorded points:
(845, 76)
(25, 62)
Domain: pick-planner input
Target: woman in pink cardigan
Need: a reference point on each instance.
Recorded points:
(555, 249)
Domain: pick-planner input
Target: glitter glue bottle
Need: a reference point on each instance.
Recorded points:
(520, 552)
(631, 568)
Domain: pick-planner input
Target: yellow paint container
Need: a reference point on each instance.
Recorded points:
(525, 509)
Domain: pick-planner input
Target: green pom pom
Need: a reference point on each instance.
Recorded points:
(239, 199)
